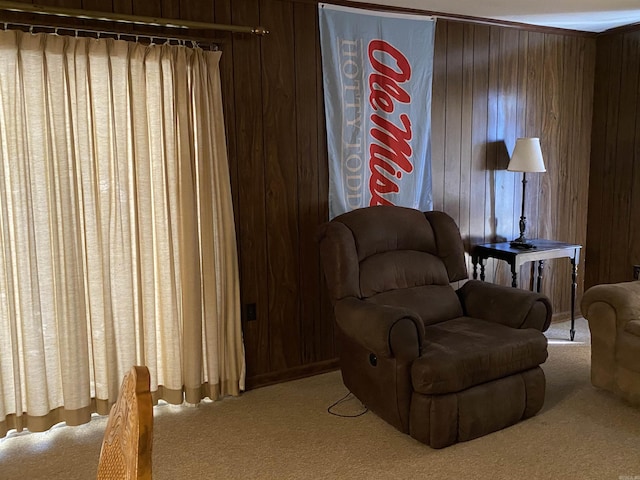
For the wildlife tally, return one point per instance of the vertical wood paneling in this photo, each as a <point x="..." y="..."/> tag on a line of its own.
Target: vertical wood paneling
<point x="479" y="135"/>
<point x="548" y="211"/>
<point x="120" y="6"/>
<point x="508" y="56"/>
<point x="438" y="116"/>
<point x="97" y="5"/>
<point x="565" y="161"/>
<point x="595" y="249"/>
<point x="611" y="152"/>
<point x="466" y="139"/>
<point x="490" y="231"/>
<point x="588" y="54"/>
<point x="193" y="9"/>
<point x="521" y="131"/>
<point x="633" y="244"/>
<point x="251" y="208"/>
<point x="623" y="171"/>
<point x="580" y="144"/>
<point x="453" y="121"/>
<point x="492" y="205"/>
<point x="550" y="138"/>
<point x="574" y="142"/>
<point x="521" y="93"/>
<point x="506" y="196"/>
<point x="146" y="8"/>
<point x="309" y="211"/>
<point x="222" y="14"/>
<point x="534" y="97"/>
<point x="535" y="91"/>
<point x="65" y="3"/>
<point x="282" y="189"/>
<point x="171" y="9"/>
<point x="613" y="236"/>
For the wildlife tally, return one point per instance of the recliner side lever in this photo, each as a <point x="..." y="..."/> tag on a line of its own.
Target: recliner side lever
<point x="373" y="360"/>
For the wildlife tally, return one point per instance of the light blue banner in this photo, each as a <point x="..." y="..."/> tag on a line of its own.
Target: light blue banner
<point x="377" y="71"/>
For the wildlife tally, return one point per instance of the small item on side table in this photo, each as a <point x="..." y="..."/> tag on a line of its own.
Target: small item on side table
<point x="522" y="244"/>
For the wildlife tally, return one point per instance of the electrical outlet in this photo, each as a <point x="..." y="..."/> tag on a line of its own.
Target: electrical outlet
<point x="251" y="312"/>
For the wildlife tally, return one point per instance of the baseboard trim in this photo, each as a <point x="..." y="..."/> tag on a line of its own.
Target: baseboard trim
<point x="294" y="373"/>
<point x="564" y="316"/>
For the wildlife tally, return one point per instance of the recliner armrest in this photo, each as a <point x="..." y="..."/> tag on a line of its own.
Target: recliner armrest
<point x="508" y="306"/>
<point x="386" y="330"/>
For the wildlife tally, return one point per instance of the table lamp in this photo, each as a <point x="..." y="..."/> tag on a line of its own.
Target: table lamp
<point x="526" y="158"/>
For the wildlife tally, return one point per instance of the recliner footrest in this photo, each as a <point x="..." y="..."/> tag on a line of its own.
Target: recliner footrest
<point x="442" y="420"/>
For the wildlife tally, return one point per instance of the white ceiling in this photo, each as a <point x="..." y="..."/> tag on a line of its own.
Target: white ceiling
<point x="584" y="15"/>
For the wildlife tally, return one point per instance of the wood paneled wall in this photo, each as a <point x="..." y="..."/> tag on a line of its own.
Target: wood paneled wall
<point x="613" y="236"/>
<point x="491" y="85"/>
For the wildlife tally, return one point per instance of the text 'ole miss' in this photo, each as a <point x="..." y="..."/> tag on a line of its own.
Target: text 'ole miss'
<point x="392" y="151"/>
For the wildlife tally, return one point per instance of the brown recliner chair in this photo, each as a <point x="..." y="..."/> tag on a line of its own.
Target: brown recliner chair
<point x="442" y="365"/>
<point x="613" y="313"/>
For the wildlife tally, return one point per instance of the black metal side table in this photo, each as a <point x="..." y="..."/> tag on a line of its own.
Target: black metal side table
<point x="515" y="257"/>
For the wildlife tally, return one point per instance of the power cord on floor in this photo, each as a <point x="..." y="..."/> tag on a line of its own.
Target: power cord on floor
<point x="342" y="400"/>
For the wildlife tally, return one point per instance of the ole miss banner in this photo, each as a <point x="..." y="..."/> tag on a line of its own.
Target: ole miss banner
<point x="377" y="86"/>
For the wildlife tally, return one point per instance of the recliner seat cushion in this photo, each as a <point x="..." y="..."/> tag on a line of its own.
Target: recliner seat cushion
<point x="466" y="351"/>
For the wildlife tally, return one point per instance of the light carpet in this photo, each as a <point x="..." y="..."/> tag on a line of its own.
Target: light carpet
<point x="284" y="432"/>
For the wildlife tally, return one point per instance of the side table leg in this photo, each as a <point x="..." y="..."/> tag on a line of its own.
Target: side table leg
<point x="574" y="275"/>
<point x="474" y="261"/>
<point x="514" y="276"/>
<point x="539" y="277"/>
<point x="482" y="270"/>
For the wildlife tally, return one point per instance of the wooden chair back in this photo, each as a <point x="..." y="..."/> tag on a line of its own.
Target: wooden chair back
<point x="126" y="446"/>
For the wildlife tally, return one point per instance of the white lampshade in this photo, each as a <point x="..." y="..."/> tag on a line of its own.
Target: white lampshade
<point x="527" y="156"/>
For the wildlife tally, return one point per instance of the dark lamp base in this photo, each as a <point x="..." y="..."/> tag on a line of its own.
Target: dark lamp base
<point x="522" y="244"/>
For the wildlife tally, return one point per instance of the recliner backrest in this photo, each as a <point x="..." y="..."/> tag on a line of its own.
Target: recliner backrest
<point x="390" y="255"/>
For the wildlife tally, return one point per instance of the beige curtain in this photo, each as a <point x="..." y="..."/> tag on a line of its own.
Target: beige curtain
<point x="117" y="239"/>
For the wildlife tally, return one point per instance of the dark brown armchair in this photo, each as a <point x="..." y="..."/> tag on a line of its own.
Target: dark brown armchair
<point x="441" y="365"/>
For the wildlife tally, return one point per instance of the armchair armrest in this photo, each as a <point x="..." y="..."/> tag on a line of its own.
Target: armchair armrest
<point x="386" y="330"/>
<point x="508" y="306"/>
<point x="609" y="309"/>
<point x="621" y="300"/>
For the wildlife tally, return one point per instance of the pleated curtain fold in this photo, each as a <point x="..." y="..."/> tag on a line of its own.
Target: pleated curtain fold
<point x="117" y="238"/>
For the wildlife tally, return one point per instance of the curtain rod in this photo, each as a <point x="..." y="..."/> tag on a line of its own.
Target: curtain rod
<point x="126" y="18"/>
<point x="210" y="43"/>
